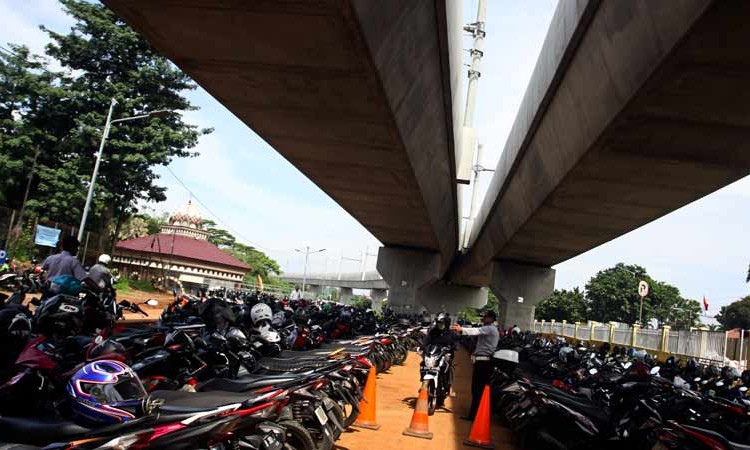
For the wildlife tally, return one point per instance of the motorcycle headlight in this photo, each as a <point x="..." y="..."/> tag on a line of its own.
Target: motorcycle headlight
<point x="430" y="362"/>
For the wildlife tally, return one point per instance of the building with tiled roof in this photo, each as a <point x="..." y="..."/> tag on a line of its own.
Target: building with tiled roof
<point x="181" y="253"/>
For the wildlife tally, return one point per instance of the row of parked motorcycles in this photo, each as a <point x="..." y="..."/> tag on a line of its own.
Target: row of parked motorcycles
<point x="212" y="373"/>
<point x="558" y="396"/>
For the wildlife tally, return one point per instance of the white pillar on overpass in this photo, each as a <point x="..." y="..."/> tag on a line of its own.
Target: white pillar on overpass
<point x="377" y="296"/>
<point x="345" y="295"/>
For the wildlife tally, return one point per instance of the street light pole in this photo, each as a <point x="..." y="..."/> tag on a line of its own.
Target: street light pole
<point x="307" y="253"/>
<point x="96" y="169"/>
<point x="105" y="134"/>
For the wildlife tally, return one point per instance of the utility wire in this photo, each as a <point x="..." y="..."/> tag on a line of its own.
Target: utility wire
<point x="254" y="244"/>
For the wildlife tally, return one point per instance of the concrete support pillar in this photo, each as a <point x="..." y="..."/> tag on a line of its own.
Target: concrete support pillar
<point x="412" y="277"/>
<point x="377" y="296"/>
<point x="313" y="291"/>
<point x="406" y="271"/>
<point x="345" y="295"/>
<point x="519" y="288"/>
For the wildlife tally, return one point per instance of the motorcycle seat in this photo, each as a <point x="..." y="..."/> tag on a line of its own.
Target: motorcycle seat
<point x="41" y="431"/>
<point x="176" y="402"/>
<point x="719" y="437"/>
<point x="248" y="383"/>
<point x="597" y="413"/>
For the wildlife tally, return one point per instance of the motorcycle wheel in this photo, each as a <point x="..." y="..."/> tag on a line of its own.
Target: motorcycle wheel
<point x="339" y="413"/>
<point x="297" y="436"/>
<point x="431" y="399"/>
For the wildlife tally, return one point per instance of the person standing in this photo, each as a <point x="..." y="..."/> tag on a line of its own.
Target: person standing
<point x="296" y="294"/>
<point x="488" y="337"/>
<point x="65" y="262"/>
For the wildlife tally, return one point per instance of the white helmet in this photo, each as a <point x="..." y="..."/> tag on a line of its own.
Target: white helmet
<point x="259" y="312"/>
<point x="105" y="259"/>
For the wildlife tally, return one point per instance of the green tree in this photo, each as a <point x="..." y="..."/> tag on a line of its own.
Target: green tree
<point x="613" y="295"/>
<point x="735" y="315"/>
<point x="563" y="305"/>
<point x="217" y="236"/>
<point x="110" y="60"/>
<point x="34" y="118"/>
<point x="259" y="262"/>
<point x="684" y="315"/>
<point x="361" y="302"/>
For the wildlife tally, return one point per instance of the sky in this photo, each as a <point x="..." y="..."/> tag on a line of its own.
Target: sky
<point x="248" y="188"/>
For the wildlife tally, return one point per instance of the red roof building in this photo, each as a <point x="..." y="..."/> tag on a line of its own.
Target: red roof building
<point x="181" y="253"/>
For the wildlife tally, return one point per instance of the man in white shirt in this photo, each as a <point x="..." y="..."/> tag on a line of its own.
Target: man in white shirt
<point x="296" y="294"/>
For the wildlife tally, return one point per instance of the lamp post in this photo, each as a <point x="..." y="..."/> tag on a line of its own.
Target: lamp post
<point x="105" y="134"/>
<point x="307" y="253"/>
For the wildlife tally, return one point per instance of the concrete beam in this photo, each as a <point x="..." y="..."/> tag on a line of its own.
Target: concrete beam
<point x="345" y="90"/>
<point x="314" y="291"/>
<point x="519" y="288"/>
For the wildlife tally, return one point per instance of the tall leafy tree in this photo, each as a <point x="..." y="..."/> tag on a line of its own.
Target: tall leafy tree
<point x="735" y="315"/>
<point x="563" y="305"/>
<point x="613" y="295"/>
<point x="109" y="60"/>
<point x="34" y="121"/>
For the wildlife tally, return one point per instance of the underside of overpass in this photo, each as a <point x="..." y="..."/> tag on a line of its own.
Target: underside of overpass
<point x="634" y="110"/>
<point x="357" y="94"/>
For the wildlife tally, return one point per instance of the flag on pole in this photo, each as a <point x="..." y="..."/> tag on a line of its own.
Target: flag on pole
<point x="260" y="283"/>
<point x="705" y="303"/>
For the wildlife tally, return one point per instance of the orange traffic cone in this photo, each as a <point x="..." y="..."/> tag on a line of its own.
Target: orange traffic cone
<point x="419" y="426"/>
<point x="366" y="418"/>
<point x="480" y="431"/>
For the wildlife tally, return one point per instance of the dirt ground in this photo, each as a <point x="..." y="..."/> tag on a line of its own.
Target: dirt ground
<point x="396" y="396"/>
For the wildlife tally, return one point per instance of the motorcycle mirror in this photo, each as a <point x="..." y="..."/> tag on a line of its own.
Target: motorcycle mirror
<point x="697" y="379"/>
<point x="216" y="335"/>
<point x="152" y="302"/>
<point x="720" y="383"/>
<point x="704" y="382"/>
<point x="655" y="370"/>
<point x="592" y="356"/>
<point x="593" y="371"/>
<point x="743" y="389"/>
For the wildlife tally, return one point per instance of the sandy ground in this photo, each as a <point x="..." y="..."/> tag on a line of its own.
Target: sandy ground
<point x="397" y="392"/>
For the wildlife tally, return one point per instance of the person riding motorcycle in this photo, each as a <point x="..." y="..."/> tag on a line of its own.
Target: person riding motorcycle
<point x="99" y="272"/>
<point x="441" y="335"/>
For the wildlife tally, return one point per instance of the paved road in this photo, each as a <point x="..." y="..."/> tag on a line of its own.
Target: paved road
<point x="397" y="392"/>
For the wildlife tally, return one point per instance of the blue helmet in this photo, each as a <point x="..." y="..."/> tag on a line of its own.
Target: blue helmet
<point x="106" y="392"/>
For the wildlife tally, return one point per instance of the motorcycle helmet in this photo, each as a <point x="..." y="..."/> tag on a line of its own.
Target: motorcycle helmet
<point x="440" y="321"/>
<point x="403" y="322"/>
<point x="640" y="355"/>
<point x="691" y="365"/>
<point x="714" y="371"/>
<point x="107" y="347"/>
<point x="729" y="374"/>
<point x="631" y="352"/>
<point x="260" y="312"/>
<point x="745" y="377"/>
<point x="567" y="354"/>
<point x="671" y="362"/>
<point x="59" y="315"/>
<point x="105" y="259"/>
<point x="106" y="392"/>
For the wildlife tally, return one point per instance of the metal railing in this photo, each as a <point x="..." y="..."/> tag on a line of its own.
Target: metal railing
<point x="709" y="346"/>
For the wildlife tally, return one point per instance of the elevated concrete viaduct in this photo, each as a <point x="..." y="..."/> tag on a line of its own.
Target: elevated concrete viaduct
<point x="635" y="109"/>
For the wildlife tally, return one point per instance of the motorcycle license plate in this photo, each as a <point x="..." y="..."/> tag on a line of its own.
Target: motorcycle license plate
<point x="321" y="415"/>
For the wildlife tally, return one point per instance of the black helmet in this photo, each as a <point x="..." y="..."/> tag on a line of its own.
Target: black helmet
<point x="107" y="346"/>
<point x="670" y="362"/>
<point x="745" y="378"/>
<point x="691" y="365"/>
<point x="714" y="371"/>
